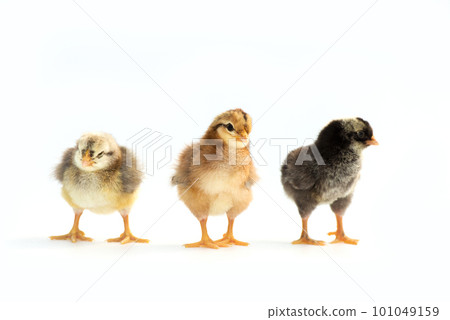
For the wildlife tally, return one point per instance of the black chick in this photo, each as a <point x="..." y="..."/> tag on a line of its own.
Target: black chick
<point x="332" y="178"/>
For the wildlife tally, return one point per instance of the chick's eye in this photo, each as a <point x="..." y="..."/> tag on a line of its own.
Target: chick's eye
<point x="230" y="127"/>
<point x="360" y="134"/>
<point x="100" y="155"/>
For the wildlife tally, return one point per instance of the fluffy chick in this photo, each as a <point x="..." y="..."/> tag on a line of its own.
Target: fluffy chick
<point x="340" y="144"/>
<point x="95" y="176"/>
<point x="215" y="175"/>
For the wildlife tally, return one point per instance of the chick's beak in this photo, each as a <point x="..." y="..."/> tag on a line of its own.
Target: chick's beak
<point x="243" y="137"/>
<point x="372" y="142"/>
<point x="87" y="161"/>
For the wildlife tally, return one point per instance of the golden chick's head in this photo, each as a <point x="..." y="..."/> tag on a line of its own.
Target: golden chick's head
<point x="96" y="151"/>
<point x="233" y="125"/>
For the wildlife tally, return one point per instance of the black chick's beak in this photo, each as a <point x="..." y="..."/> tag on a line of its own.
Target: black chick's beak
<point x="372" y="142"/>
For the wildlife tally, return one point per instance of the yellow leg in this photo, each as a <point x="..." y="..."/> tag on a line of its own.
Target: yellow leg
<point x="206" y="241"/>
<point x="228" y="237"/>
<point x="304" y="238"/>
<point x="127" y="236"/>
<point x="74" y="234"/>
<point x="339" y="233"/>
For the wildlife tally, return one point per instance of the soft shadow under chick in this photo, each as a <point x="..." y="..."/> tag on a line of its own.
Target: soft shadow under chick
<point x="309" y="183"/>
<point x="96" y="176"/>
<point x="215" y="175"/>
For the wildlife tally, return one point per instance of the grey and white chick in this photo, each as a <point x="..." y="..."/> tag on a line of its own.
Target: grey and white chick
<point x="95" y="176"/>
<point x="309" y="183"/>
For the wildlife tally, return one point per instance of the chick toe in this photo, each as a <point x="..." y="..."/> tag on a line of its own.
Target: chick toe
<point x="230" y="240"/>
<point x="128" y="237"/>
<point x="208" y="243"/>
<point x="342" y="238"/>
<point x="228" y="237"/>
<point x="340" y="234"/>
<point x="308" y="240"/>
<point x="73" y="236"/>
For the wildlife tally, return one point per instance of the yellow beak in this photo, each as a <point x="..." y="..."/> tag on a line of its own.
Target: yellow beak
<point x="87" y="161"/>
<point x="372" y="142"/>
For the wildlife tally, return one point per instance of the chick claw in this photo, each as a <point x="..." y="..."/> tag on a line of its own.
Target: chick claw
<point x="342" y="238"/>
<point x="72" y="236"/>
<point x="205" y="244"/>
<point x="307" y="240"/>
<point x="230" y="240"/>
<point x="127" y="238"/>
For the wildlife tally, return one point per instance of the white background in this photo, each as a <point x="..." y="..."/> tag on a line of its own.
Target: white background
<point x="62" y="75"/>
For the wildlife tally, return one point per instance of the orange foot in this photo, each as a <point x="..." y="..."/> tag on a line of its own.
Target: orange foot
<point x="73" y="236"/>
<point x="342" y="238"/>
<point x="230" y="240"/>
<point x="205" y="243"/>
<point x="127" y="238"/>
<point x="308" y="240"/>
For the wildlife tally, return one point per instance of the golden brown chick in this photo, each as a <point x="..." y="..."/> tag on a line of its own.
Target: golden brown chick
<point x="96" y="176"/>
<point x="215" y="175"/>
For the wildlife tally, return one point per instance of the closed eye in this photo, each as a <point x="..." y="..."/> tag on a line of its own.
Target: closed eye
<point x="100" y="155"/>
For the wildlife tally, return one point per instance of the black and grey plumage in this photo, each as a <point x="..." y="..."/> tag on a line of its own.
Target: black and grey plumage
<point x="312" y="183"/>
<point x="96" y="176"/>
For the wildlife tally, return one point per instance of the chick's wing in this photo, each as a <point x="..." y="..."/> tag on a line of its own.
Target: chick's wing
<point x="65" y="163"/>
<point x="299" y="176"/>
<point x="130" y="176"/>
